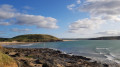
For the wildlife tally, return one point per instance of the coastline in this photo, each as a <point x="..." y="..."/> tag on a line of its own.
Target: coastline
<point x="69" y="40"/>
<point x="45" y="57"/>
<point x="14" y="43"/>
<point x="15" y="51"/>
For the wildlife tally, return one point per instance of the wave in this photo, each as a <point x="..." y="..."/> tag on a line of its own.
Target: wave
<point x="63" y="52"/>
<point x="109" y="56"/>
<point x="103" y="48"/>
<point x="27" y="45"/>
<point x="112" y="57"/>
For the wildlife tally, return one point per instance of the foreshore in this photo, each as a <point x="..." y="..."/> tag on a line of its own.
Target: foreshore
<point x="44" y="57"/>
<point x="49" y="57"/>
<point x="14" y="43"/>
<point x="69" y="40"/>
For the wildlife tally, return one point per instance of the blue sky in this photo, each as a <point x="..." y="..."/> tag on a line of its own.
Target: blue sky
<point x="60" y="18"/>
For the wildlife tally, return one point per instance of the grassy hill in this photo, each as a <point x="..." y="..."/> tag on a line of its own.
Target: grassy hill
<point x="31" y="38"/>
<point x="3" y="39"/>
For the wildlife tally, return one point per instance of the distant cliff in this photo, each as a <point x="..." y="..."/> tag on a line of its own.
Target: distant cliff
<point x="106" y="38"/>
<point x="31" y="38"/>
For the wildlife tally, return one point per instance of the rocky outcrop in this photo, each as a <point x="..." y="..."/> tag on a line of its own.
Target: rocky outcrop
<point x="45" y="57"/>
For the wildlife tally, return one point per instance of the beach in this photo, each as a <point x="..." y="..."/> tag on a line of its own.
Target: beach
<point x="14" y="43"/>
<point x="68" y="40"/>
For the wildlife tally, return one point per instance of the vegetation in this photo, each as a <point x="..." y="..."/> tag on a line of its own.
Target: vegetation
<point x="4" y="39"/>
<point x="31" y="38"/>
<point x="6" y="61"/>
<point x="107" y="38"/>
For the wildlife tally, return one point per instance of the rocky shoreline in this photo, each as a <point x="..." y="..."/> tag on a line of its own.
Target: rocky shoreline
<point x="44" y="57"/>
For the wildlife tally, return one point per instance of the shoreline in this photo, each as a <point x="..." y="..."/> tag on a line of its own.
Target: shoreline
<point x="54" y="50"/>
<point x="49" y="57"/>
<point x="14" y="43"/>
<point x="70" y="40"/>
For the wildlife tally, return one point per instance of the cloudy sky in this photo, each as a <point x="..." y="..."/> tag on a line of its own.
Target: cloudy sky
<point x="60" y="18"/>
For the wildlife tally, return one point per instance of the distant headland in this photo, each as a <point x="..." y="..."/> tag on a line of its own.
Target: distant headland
<point x="97" y="38"/>
<point x="106" y="38"/>
<point x="31" y="38"/>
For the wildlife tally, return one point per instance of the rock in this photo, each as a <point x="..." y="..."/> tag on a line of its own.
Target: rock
<point x="38" y="65"/>
<point x="38" y="62"/>
<point x="59" y="65"/>
<point x="45" y="57"/>
<point x="105" y="65"/>
<point x="45" y="65"/>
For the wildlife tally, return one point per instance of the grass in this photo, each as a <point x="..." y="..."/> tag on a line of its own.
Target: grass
<point x="6" y="61"/>
<point x="29" y="56"/>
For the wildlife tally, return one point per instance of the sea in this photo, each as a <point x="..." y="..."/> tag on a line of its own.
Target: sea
<point x="105" y="51"/>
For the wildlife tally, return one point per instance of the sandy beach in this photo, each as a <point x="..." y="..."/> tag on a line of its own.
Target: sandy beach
<point x="14" y="43"/>
<point x="69" y="40"/>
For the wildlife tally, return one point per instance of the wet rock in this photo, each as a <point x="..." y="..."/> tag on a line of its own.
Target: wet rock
<point x="105" y="65"/>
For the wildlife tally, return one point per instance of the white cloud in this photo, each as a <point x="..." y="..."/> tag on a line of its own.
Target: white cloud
<point x="39" y="21"/>
<point x="102" y="8"/>
<point x="5" y="23"/>
<point x="105" y="10"/>
<point x="78" y="1"/>
<point x="85" y="24"/>
<point x="20" y="30"/>
<point x="109" y="32"/>
<point x="8" y="13"/>
<point x="70" y="7"/>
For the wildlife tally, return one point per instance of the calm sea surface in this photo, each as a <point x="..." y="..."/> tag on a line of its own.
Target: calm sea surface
<point x="102" y="50"/>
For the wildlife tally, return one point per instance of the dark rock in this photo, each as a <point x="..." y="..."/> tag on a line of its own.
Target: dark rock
<point x="45" y="65"/>
<point x="105" y="65"/>
<point x="38" y="62"/>
<point x="45" y="57"/>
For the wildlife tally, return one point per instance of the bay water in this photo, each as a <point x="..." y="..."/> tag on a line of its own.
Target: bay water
<point x="102" y="50"/>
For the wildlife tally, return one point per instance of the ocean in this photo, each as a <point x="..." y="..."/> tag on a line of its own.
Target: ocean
<point x="106" y="51"/>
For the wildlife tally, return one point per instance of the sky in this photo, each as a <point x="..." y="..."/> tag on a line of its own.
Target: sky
<point x="60" y="18"/>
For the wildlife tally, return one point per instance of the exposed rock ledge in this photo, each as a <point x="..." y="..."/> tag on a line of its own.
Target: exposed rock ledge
<point x="45" y="57"/>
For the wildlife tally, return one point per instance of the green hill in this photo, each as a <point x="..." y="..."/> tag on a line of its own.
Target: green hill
<point x="31" y="38"/>
<point x="3" y="39"/>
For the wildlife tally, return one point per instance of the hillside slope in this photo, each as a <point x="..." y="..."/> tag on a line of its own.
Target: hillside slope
<point x="6" y="61"/>
<point x="31" y="38"/>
